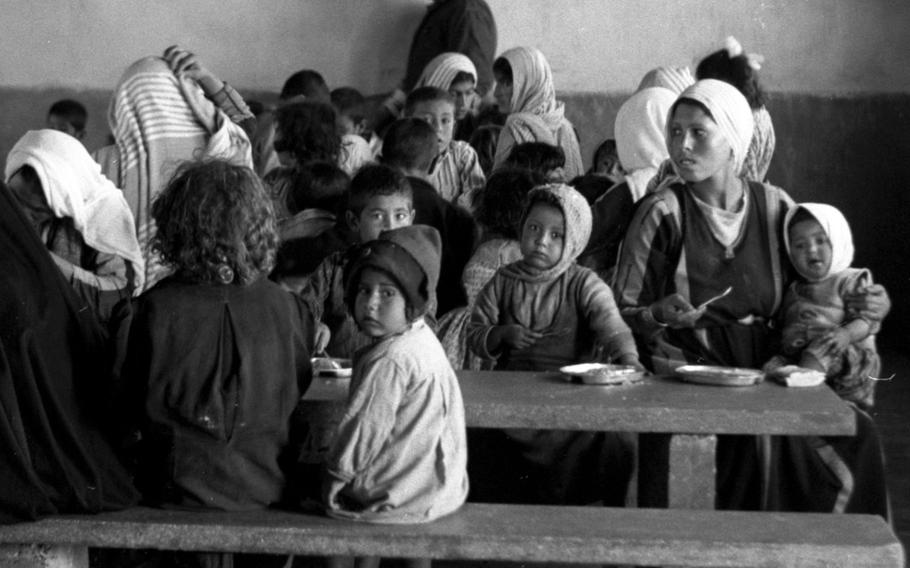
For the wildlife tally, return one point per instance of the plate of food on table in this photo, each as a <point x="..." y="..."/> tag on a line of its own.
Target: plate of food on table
<point x="331" y="367"/>
<point x="602" y="374"/>
<point x="720" y="376"/>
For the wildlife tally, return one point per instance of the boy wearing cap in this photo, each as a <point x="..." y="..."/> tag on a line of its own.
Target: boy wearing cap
<point x="400" y="454"/>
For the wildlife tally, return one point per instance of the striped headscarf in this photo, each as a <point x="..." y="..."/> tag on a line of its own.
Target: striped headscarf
<point x="730" y="111"/>
<point x="159" y="121"/>
<point x="442" y="69"/>
<point x="75" y="189"/>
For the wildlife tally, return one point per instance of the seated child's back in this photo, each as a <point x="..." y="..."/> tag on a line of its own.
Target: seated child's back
<point x="217" y="355"/>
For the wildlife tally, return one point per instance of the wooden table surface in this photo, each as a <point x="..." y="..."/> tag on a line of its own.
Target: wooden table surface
<point x="510" y="399"/>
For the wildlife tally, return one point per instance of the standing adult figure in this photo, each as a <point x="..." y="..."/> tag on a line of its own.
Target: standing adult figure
<point x="740" y="69"/>
<point x="526" y="93"/>
<point x="694" y="237"/>
<point x="160" y="117"/>
<point x="461" y="26"/>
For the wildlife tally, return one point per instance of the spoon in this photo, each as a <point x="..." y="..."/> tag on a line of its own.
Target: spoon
<point x="723" y="294"/>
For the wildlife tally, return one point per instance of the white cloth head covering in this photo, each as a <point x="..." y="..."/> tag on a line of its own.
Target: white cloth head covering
<point x="578" y="219"/>
<point x="75" y="188"/>
<point x="535" y="114"/>
<point x="159" y="121"/>
<point x="677" y="79"/>
<point x="835" y="225"/>
<point x="442" y="69"/>
<point x="729" y="109"/>
<point x="640" y="132"/>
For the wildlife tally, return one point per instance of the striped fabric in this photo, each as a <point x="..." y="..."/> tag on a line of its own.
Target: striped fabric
<point x="442" y="69"/>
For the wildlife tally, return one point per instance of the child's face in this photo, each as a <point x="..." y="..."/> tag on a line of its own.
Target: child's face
<point x="503" y="94"/>
<point x="382" y="213"/>
<point x="57" y="122"/>
<point x="698" y="149"/>
<point x="810" y="249"/>
<point x="608" y="165"/>
<point x="441" y="116"/>
<point x="543" y="236"/>
<point x="346" y="125"/>
<point x="379" y="306"/>
<point x="464" y="94"/>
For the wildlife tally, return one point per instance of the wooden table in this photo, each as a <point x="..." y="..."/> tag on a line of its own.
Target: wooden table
<point x="678" y="422"/>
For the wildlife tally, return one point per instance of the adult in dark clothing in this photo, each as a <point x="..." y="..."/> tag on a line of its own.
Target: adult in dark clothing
<point x="53" y="365"/>
<point x="410" y="147"/>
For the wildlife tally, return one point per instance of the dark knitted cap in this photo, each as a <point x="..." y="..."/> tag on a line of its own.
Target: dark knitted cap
<point x="410" y="256"/>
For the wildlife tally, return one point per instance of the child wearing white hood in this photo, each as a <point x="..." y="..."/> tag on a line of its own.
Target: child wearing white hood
<point x="819" y="332"/>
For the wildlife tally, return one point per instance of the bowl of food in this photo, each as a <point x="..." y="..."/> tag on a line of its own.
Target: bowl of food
<point x="331" y="367"/>
<point x="720" y="376"/>
<point x="602" y="374"/>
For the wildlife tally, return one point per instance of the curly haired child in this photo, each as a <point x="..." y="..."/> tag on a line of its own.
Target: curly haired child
<point x="538" y="314"/>
<point x="820" y="332"/>
<point x="217" y="356"/>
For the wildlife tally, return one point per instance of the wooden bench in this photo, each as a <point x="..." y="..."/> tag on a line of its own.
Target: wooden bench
<point x="641" y="537"/>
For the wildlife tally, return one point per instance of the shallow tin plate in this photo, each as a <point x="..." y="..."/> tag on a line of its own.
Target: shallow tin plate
<point x="331" y="367"/>
<point x="720" y="376"/>
<point x="602" y="374"/>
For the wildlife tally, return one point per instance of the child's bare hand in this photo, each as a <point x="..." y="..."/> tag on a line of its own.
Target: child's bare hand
<point x="321" y="338"/>
<point x="519" y="337"/>
<point x="871" y="302"/>
<point x="835" y="341"/>
<point x="676" y="311"/>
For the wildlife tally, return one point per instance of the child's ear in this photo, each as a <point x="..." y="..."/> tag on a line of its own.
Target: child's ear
<point x="353" y="220"/>
<point x="413" y="214"/>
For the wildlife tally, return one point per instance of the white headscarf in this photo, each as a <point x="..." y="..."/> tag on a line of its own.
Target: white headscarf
<point x="729" y="109"/>
<point x="442" y="70"/>
<point x="75" y="188"/>
<point x="535" y="114"/>
<point x="677" y="79"/>
<point x="835" y="225"/>
<point x="640" y="132"/>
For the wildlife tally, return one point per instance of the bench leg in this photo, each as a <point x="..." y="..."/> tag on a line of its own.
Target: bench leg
<point x="41" y="556"/>
<point x="677" y="471"/>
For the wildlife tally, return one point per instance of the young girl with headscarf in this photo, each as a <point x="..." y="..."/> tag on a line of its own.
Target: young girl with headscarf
<point x="525" y="92"/>
<point x="161" y="118"/>
<point x="539" y="314"/>
<point x="819" y="332"/>
<point x="80" y="216"/>
<point x="455" y="73"/>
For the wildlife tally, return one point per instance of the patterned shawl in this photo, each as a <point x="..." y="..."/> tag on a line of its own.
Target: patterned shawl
<point x="159" y="121"/>
<point x="442" y="69"/>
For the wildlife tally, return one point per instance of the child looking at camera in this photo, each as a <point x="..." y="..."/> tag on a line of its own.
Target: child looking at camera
<point x="400" y="451"/>
<point x="456" y="171"/>
<point x="819" y="332"/>
<point x="538" y="314"/>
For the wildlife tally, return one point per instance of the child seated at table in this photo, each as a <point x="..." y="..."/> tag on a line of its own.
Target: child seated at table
<point x="380" y="199"/>
<point x="819" y="332"/>
<point x="538" y="314"/>
<point x="456" y="171"/>
<point x="400" y="451"/>
<point x="217" y="356"/>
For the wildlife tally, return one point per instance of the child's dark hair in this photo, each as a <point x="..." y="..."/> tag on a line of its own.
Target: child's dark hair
<point x="350" y="102"/>
<point x="72" y="111"/>
<point x="462" y="77"/>
<point x="499" y="207"/>
<point x="308" y="132"/>
<point x="484" y="141"/>
<point x="373" y="180"/>
<point x="409" y="143"/>
<point x="318" y="185"/>
<point x="734" y="70"/>
<point x="216" y="224"/>
<point x="503" y="69"/>
<point x="606" y="149"/>
<point x="426" y="95"/>
<point x="537" y="156"/>
<point x="308" y="83"/>
<point x="801" y="214"/>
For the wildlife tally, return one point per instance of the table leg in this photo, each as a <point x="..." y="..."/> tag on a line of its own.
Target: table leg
<point x="677" y="471"/>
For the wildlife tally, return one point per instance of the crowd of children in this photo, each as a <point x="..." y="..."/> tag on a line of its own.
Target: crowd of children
<point x="221" y="251"/>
